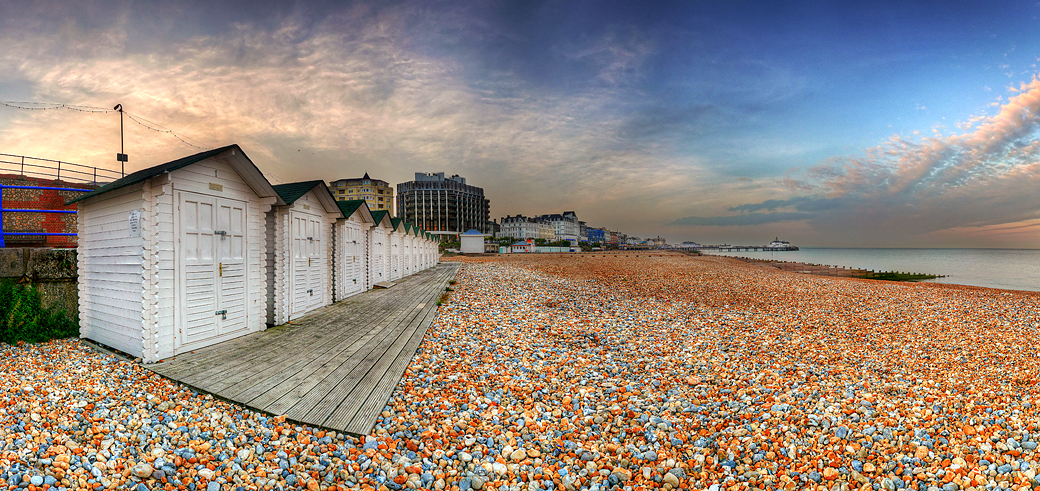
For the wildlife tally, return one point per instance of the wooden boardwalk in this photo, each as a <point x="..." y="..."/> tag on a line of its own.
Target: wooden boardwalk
<point x="334" y="368"/>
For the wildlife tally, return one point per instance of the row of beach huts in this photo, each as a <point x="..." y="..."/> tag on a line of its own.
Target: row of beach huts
<point x="204" y="249"/>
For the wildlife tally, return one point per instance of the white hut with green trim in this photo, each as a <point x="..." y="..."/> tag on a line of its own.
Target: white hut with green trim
<point x="379" y="247"/>
<point x="350" y="255"/>
<point x="300" y="241"/>
<point x="172" y="257"/>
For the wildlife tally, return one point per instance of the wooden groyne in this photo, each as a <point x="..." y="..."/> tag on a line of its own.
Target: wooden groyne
<point x="838" y="271"/>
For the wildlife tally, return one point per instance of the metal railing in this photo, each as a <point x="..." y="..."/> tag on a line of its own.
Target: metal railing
<point x="4" y="234"/>
<point x="55" y="169"/>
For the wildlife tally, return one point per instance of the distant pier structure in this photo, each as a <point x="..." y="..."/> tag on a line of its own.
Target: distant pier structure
<point x="775" y="245"/>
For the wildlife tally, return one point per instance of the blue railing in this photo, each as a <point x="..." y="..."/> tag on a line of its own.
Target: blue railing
<point x="4" y="234"/>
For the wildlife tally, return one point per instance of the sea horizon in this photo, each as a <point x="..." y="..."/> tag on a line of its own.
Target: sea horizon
<point x="1007" y="269"/>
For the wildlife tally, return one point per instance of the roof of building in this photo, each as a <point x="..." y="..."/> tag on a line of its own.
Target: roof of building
<point x="379" y="215"/>
<point x="348" y="207"/>
<point x="245" y="167"/>
<point x="521" y="244"/>
<point x="366" y="176"/>
<point x="395" y="223"/>
<point x="295" y="190"/>
<point x="473" y="231"/>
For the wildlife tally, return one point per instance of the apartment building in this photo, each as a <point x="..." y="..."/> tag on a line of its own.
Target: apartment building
<point x="378" y="195"/>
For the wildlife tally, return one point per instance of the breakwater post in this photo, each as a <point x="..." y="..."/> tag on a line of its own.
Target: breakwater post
<point x="838" y="271"/>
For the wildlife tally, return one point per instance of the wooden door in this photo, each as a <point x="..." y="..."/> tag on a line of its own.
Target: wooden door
<point x="212" y="284"/>
<point x="305" y="277"/>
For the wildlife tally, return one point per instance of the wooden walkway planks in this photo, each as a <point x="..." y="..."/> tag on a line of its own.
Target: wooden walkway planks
<point x="334" y="368"/>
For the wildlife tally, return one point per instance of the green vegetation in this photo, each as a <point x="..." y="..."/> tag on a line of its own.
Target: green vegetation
<point x="897" y="276"/>
<point x="507" y="241"/>
<point x="23" y="317"/>
<point x="450" y="245"/>
<point x="443" y="300"/>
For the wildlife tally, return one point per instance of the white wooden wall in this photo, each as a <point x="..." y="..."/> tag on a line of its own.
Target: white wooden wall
<point x="110" y="267"/>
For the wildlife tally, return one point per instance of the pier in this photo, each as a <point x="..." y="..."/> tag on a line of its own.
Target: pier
<point x="738" y="248"/>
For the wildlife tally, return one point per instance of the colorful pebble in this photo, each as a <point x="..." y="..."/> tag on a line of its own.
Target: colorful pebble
<point x="591" y="372"/>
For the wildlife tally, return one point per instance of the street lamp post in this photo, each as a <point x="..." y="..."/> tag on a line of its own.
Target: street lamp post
<point x="121" y="157"/>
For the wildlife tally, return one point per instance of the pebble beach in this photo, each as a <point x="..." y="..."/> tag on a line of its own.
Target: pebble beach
<point x="592" y="372"/>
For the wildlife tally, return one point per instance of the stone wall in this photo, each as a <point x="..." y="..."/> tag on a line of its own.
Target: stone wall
<point x="51" y="271"/>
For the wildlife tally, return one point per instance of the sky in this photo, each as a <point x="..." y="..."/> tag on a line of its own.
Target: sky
<point x="840" y="124"/>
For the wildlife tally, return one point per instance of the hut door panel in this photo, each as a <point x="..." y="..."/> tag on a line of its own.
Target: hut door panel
<point x="306" y="266"/>
<point x="314" y="273"/>
<point x="198" y="299"/>
<point x="298" y="285"/>
<point x="212" y="273"/>
<point x="231" y="247"/>
<point x="354" y="245"/>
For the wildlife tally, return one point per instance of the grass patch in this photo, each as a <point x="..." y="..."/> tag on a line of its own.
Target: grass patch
<point x="452" y="282"/>
<point x="23" y="317"/>
<point x="443" y="300"/>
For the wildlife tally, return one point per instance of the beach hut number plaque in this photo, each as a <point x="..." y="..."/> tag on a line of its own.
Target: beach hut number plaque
<point x="135" y="223"/>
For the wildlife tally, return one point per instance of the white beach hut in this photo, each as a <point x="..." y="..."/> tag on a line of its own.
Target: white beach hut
<point x="379" y="248"/>
<point x="396" y="248"/>
<point x="472" y="242"/>
<point x="171" y="258"/>
<point x="408" y="264"/>
<point x="350" y="256"/>
<point x="299" y="237"/>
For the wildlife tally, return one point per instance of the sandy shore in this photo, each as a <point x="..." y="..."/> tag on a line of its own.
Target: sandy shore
<point x="624" y="371"/>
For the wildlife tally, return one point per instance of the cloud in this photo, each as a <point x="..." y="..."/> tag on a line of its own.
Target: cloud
<point x="744" y="220"/>
<point x="800" y="203"/>
<point x="957" y="189"/>
<point x="361" y="90"/>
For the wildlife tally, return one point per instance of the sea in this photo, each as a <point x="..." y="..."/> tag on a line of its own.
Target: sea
<point x="1008" y="269"/>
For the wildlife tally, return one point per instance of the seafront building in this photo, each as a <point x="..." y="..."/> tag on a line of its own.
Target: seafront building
<point x="443" y="205"/>
<point x="593" y="234"/>
<point x="521" y="227"/>
<point x="565" y="226"/>
<point x="378" y="194"/>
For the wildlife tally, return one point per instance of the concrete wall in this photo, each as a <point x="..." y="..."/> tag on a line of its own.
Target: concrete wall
<point x="51" y="271"/>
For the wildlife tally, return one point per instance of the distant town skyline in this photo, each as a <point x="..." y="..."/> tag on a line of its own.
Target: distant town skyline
<point x="878" y="124"/>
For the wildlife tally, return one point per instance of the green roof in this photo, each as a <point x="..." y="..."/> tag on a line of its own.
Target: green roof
<point x="145" y="174"/>
<point x="377" y="216"/>
<point x="396" y="222"/>
<point x="348" y="207"/>
<point x="294" y="190"/>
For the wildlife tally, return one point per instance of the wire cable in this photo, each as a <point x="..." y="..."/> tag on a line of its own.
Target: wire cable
<point x="35" y="106"/>
<point x="141" y="120"/>
<point x="162" y="130"/>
